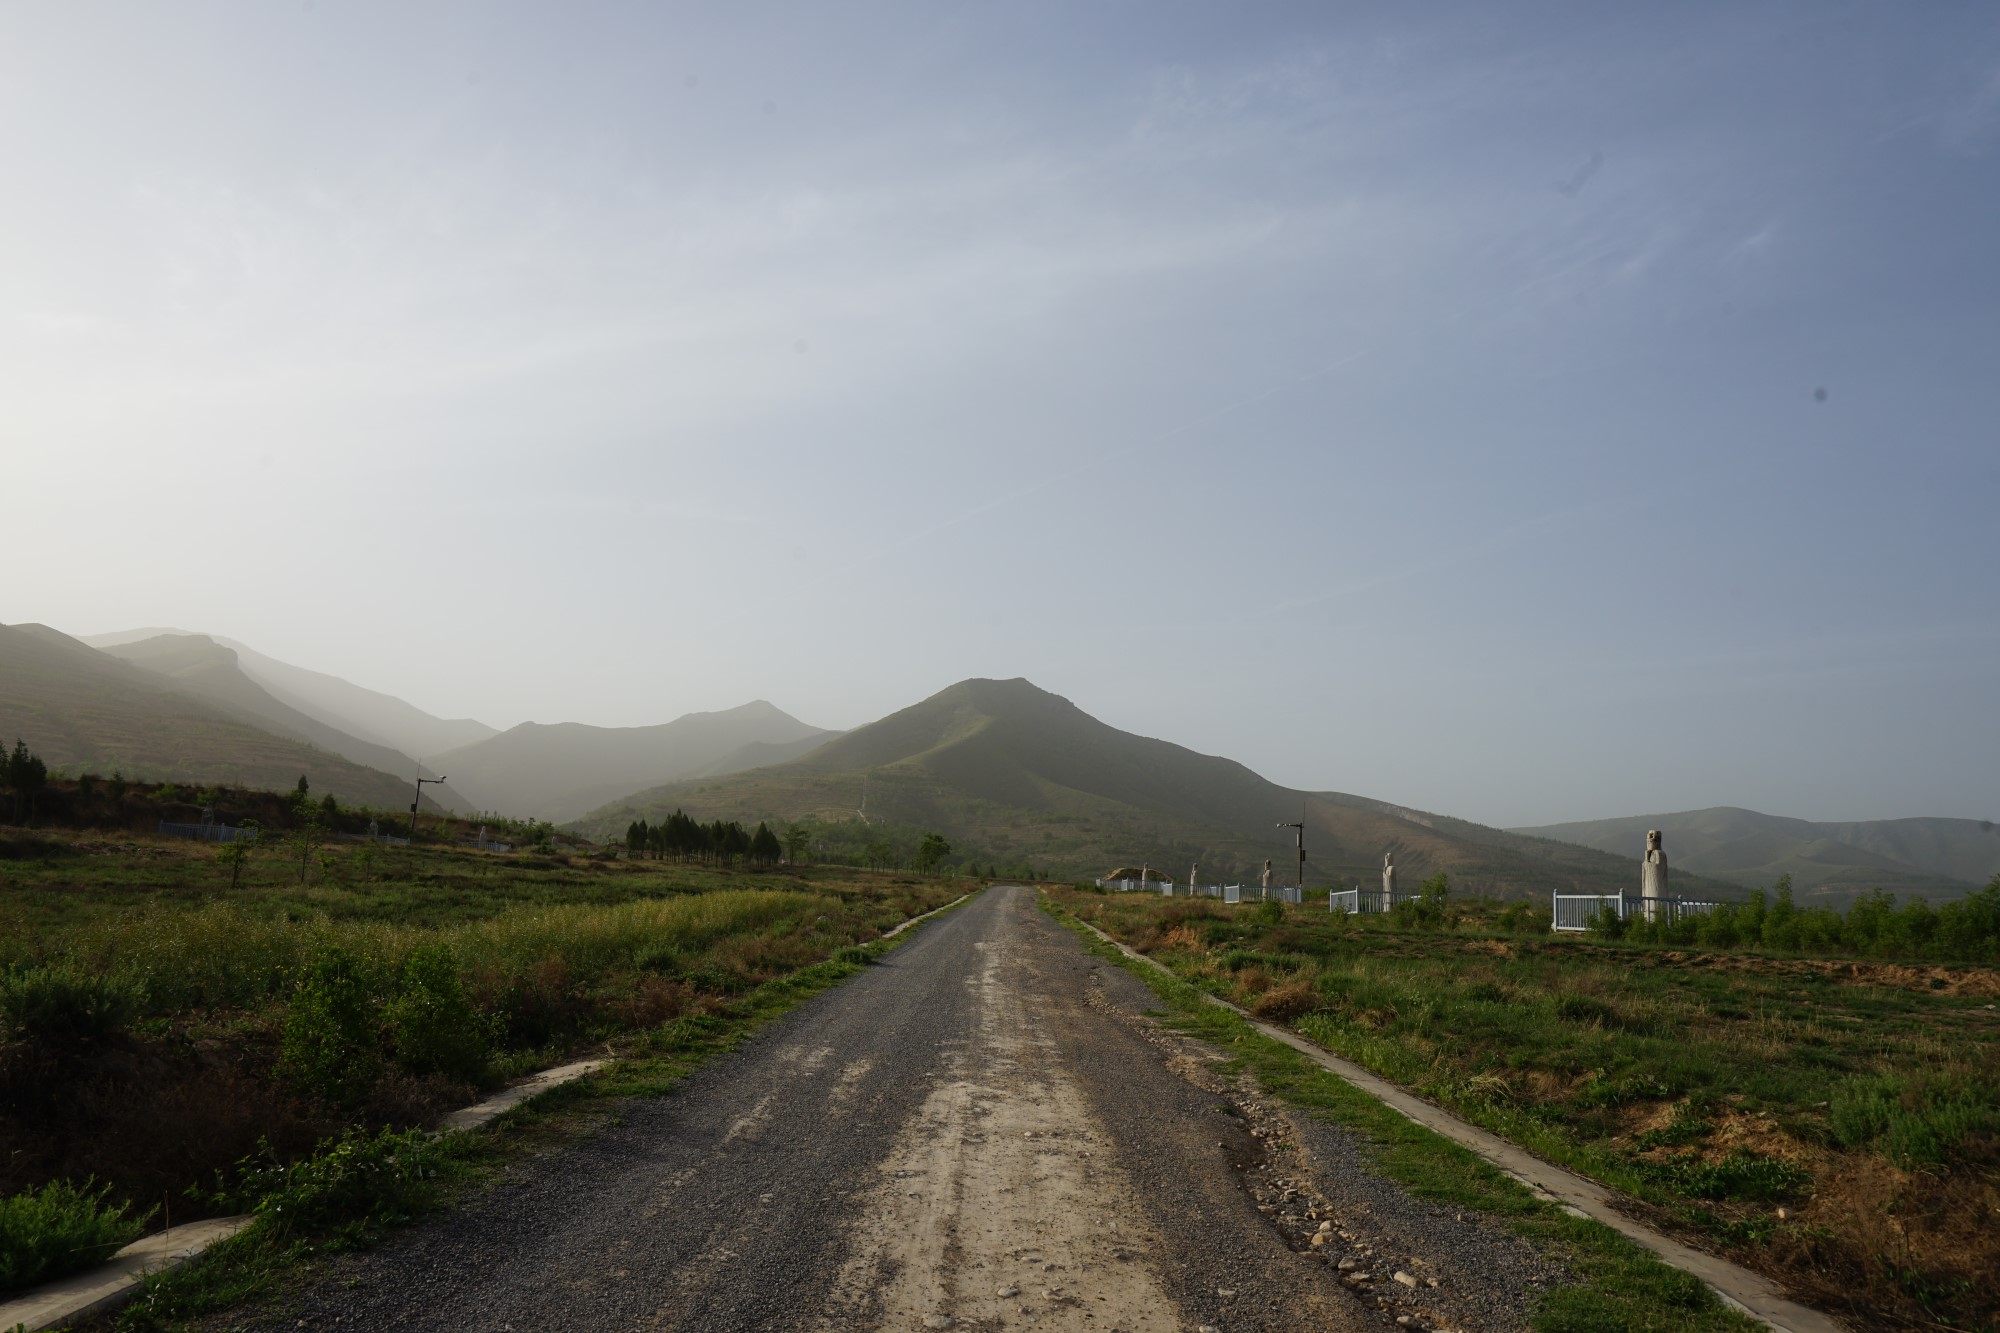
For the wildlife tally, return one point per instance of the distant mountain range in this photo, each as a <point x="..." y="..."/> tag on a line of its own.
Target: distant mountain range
<point x="558" y="771"/>
<point x="1006" y="771"/>
<point x="1010" y="772"/>
<point x="1939" y="858"/>
<point x="553" y="771"/>
<point x="210" y="671"/>
<point x="364" y="714"/>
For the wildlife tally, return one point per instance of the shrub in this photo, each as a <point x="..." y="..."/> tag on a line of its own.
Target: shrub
<point x="353" y="1183"/>
<point x="433" y="1024"/>
<point x="1266" y="913"/>
<point x="64" y="1003"/>
<point x="856" y="955"/>
<point x="60" y="1229"/>
<point x="329" y="1046"/>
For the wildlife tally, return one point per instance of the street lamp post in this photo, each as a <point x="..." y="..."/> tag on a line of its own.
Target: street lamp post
<point x="1302" y="850"/>
<point x="436" y="782"/>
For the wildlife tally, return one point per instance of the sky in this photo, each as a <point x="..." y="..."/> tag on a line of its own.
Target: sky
<point x="1528" y="412"/>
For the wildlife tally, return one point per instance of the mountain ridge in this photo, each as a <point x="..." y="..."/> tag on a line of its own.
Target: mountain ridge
<point x="354" y="710"/>
<point x="561" y="770"/>
<point x="1007" y="770"/>
<point x="81" y="708"/>
<point x="1927" y="855"/>
<point x="211" y="670"/>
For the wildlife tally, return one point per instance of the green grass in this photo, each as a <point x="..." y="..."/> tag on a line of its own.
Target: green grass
<point x="1859" y="1098"/>
<point x="1621" y="1285"/>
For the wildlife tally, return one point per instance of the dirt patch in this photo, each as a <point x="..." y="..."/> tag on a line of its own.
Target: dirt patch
<point x="1932" y="1238"/>
<point x="1930" y="978"/>
<point x="997" y="1202"/>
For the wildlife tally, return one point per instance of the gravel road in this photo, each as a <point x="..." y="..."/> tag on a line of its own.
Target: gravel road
<point x="981" y="1132"/>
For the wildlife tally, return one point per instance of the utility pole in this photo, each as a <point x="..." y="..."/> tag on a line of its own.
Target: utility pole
<point x="1300" y="826"/>
<point x="421" y="780"/>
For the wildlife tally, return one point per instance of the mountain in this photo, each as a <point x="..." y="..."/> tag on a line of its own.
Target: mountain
<point x="1009" y="772"/>
<point x="364" y="714"/>
<point x="83" y="709"/>
<point x="1934" y="857"/>
<point x="558" y="771"/>
<point x="211" y="671"/>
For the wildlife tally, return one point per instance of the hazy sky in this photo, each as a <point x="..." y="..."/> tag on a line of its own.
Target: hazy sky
<point x="1525" y="412"/>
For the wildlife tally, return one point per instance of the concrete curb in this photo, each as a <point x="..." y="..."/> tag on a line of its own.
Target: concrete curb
<point x="505" y="1100"/>
<point x="110" y="1285"/>
<point x="1752" y="1293"/>
<point x="894" y="931"/>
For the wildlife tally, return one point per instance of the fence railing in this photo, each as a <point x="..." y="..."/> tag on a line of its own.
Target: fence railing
<point x="208" y="832"/>
<point x="1577" y="912"/>
<point x="1358" y="901"/>
<point x="1228" y="893"/>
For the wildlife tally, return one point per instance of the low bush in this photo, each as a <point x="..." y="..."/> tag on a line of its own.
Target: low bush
<point x="349" y="1185"/>
<point x="433" y="1024"/>
<point x="329" y="1047"/>
<point x="1266" y="913"/>
<point x="854" y="954"/>
<point x="64" y="1003"/>
<point x="61" y="1228"/>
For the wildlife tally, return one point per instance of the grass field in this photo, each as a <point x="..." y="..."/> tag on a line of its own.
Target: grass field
<point x="1835" y="1123"/>
<point x="158" y="1027"/>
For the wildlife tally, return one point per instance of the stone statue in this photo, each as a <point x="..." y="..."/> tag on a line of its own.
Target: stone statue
<point x="1267" y="874"/>
<point x="1388" y="879"/>
<point x="1653" y="874"/>
<point x="1191" y="874"/>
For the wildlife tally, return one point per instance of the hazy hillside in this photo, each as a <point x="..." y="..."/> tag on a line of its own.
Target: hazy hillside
<point x="364" y="714"/>
<point x="1010" y="772"/>
<point x="561" y="770"/>
<point x="1935" y="857"/>
<point x="210" y="671"/>
<point x="80" y="708"/>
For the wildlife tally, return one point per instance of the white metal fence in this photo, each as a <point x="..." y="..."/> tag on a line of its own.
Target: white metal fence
<point x="1578" y="911"/>
<point x="208" y="832"/>
<point x="1228" y="893"/>
<point x="1358" y="901"/>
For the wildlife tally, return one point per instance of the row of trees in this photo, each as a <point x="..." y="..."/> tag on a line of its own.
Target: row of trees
<point x="1963" y="930"/>
<point x="721" y="842"/>
<point x="681" y="837"/>
<point x="26" y="776"/>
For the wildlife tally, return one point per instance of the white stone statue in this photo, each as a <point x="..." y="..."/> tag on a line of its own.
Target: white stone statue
<point x="1191" y="877"/>
<point x="1267" y="874"/>
<point x="1388" y="879"/>
<point x="1653" y="874"/>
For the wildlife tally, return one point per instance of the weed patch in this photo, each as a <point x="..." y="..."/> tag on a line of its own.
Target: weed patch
<point x="61" y="1228"/>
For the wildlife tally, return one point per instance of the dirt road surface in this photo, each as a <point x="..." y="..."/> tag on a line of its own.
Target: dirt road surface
<point x="983" y="1131"/>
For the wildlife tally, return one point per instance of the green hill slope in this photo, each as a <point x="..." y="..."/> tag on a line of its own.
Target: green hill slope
<point x="83" y="709"/>
<point x="1010" y="772"/>
<point x="1939" y="858"/>
<point x="559" y="771"/>
<point x="210" y="671"/>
